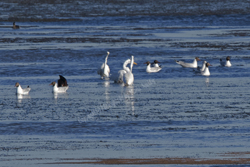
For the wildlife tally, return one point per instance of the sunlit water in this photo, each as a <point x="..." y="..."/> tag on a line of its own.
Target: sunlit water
<point x="173" y="113"/>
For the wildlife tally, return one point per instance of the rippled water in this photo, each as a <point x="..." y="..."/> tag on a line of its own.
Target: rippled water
<point x="173" y="113"/>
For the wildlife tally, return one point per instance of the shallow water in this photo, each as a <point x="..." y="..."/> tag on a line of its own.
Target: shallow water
<point x="173" y="113"/>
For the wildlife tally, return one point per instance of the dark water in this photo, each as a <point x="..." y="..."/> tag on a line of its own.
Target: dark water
<point x="173" y="113"/>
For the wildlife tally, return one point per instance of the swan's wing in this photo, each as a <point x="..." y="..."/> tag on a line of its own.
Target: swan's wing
<point x="118" y="77"/>
<point x="100" y="70"/>
<point x="106" y="71"/>
<point x="128" y="78"/>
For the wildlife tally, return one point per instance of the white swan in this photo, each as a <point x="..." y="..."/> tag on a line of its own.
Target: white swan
<point x="21" y="91"/>
<point x="104" y="70"/>
<point x="206" y="71"/>
<point x="227" y="63"/>
<point x="156" y="63"/>
<point x="150" y="69"/>
<point x="60" y="86"/>
<point x="190" y="65"/>
<point x="126" y="74"/>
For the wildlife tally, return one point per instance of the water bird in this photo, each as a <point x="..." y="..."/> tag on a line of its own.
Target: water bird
<point x="21" y="91"/>
<point x="15" y="26"/>
<point x="60" y="86"/>
<point x="104" y="70"/>
<point x="125" y="76"/>
<point x="156" y="63"/>
<point x="226" y="63"/>
<point x="189" y="65"/>
<point x="203" y="66"/>
<point x="150" y="69"/>
<point x="206" y="71"/>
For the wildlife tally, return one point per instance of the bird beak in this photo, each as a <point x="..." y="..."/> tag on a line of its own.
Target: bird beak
<point x="135" y="63"/>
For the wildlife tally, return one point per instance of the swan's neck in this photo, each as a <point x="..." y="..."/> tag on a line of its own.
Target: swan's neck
<point x="125" y="65"/>
<point x="131" y="63"/>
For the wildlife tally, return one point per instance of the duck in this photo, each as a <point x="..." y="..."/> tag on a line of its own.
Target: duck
<point x="125" y="76"/>
<point x="189" y="65"/>
<point x="206" y="71"/>
<point x="156" y="63"/>
<point x="226" y="63"/>
<point x="104" y="70"/>
<point x="15" y="26"/>
<point x="60" y="86"/>
<point x="21" y="91"/>
<point x="150" y="69"/>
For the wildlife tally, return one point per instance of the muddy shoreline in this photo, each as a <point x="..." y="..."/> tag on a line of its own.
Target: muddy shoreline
<point x="184" y="161"/>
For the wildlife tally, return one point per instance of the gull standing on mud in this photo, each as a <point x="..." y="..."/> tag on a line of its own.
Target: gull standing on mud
<point x="150" y="69"/>
<point x="189" y="65"/>
<point x="226" y="63"/>
<point x="125" y="76"/>
<point x="21" y="91"/>
<point x="60" y="86"/>
<point x="104" y="70"/>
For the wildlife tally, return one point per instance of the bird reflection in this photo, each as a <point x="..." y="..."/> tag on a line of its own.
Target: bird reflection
<point x="58" y="95"/>
<point x="129" y="99"/>
<point x="106" y="84"/>
<point x="20" y="97"/>
<point x="207" y="82"/>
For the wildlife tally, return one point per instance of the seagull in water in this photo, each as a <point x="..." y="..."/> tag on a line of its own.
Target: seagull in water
<point x="104" y="70"/>
<point x="206" y="71"/>
<point x="203" y="66"/>
<point x="15" y="26"/>
<point x="150" y="69"/>
<point x="189" y="65"/>
<point x="60" y="86"/>
<point x="156" y="63"/>
<point x="21" y="91"/>
<point x="125" y="76"/>
<point x="227" y="63"/>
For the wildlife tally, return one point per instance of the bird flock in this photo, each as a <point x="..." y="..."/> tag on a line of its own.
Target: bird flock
<point x="125" y="76"/>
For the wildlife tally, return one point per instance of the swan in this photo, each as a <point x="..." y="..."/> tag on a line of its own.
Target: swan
<point x="104" y="70"/>
<point x="60" y="86"/>
<point x="190" y="65"/>
<point x="150" y="69"/>
<point x="21" y="91"/>
<point x="206" y="71"/>
<point x="155" y="63"/>
<point x="15" y="26"/>
<point x="129" y="76"/>
<point x="227" y="63"/>
<point x="125" y="76"/>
